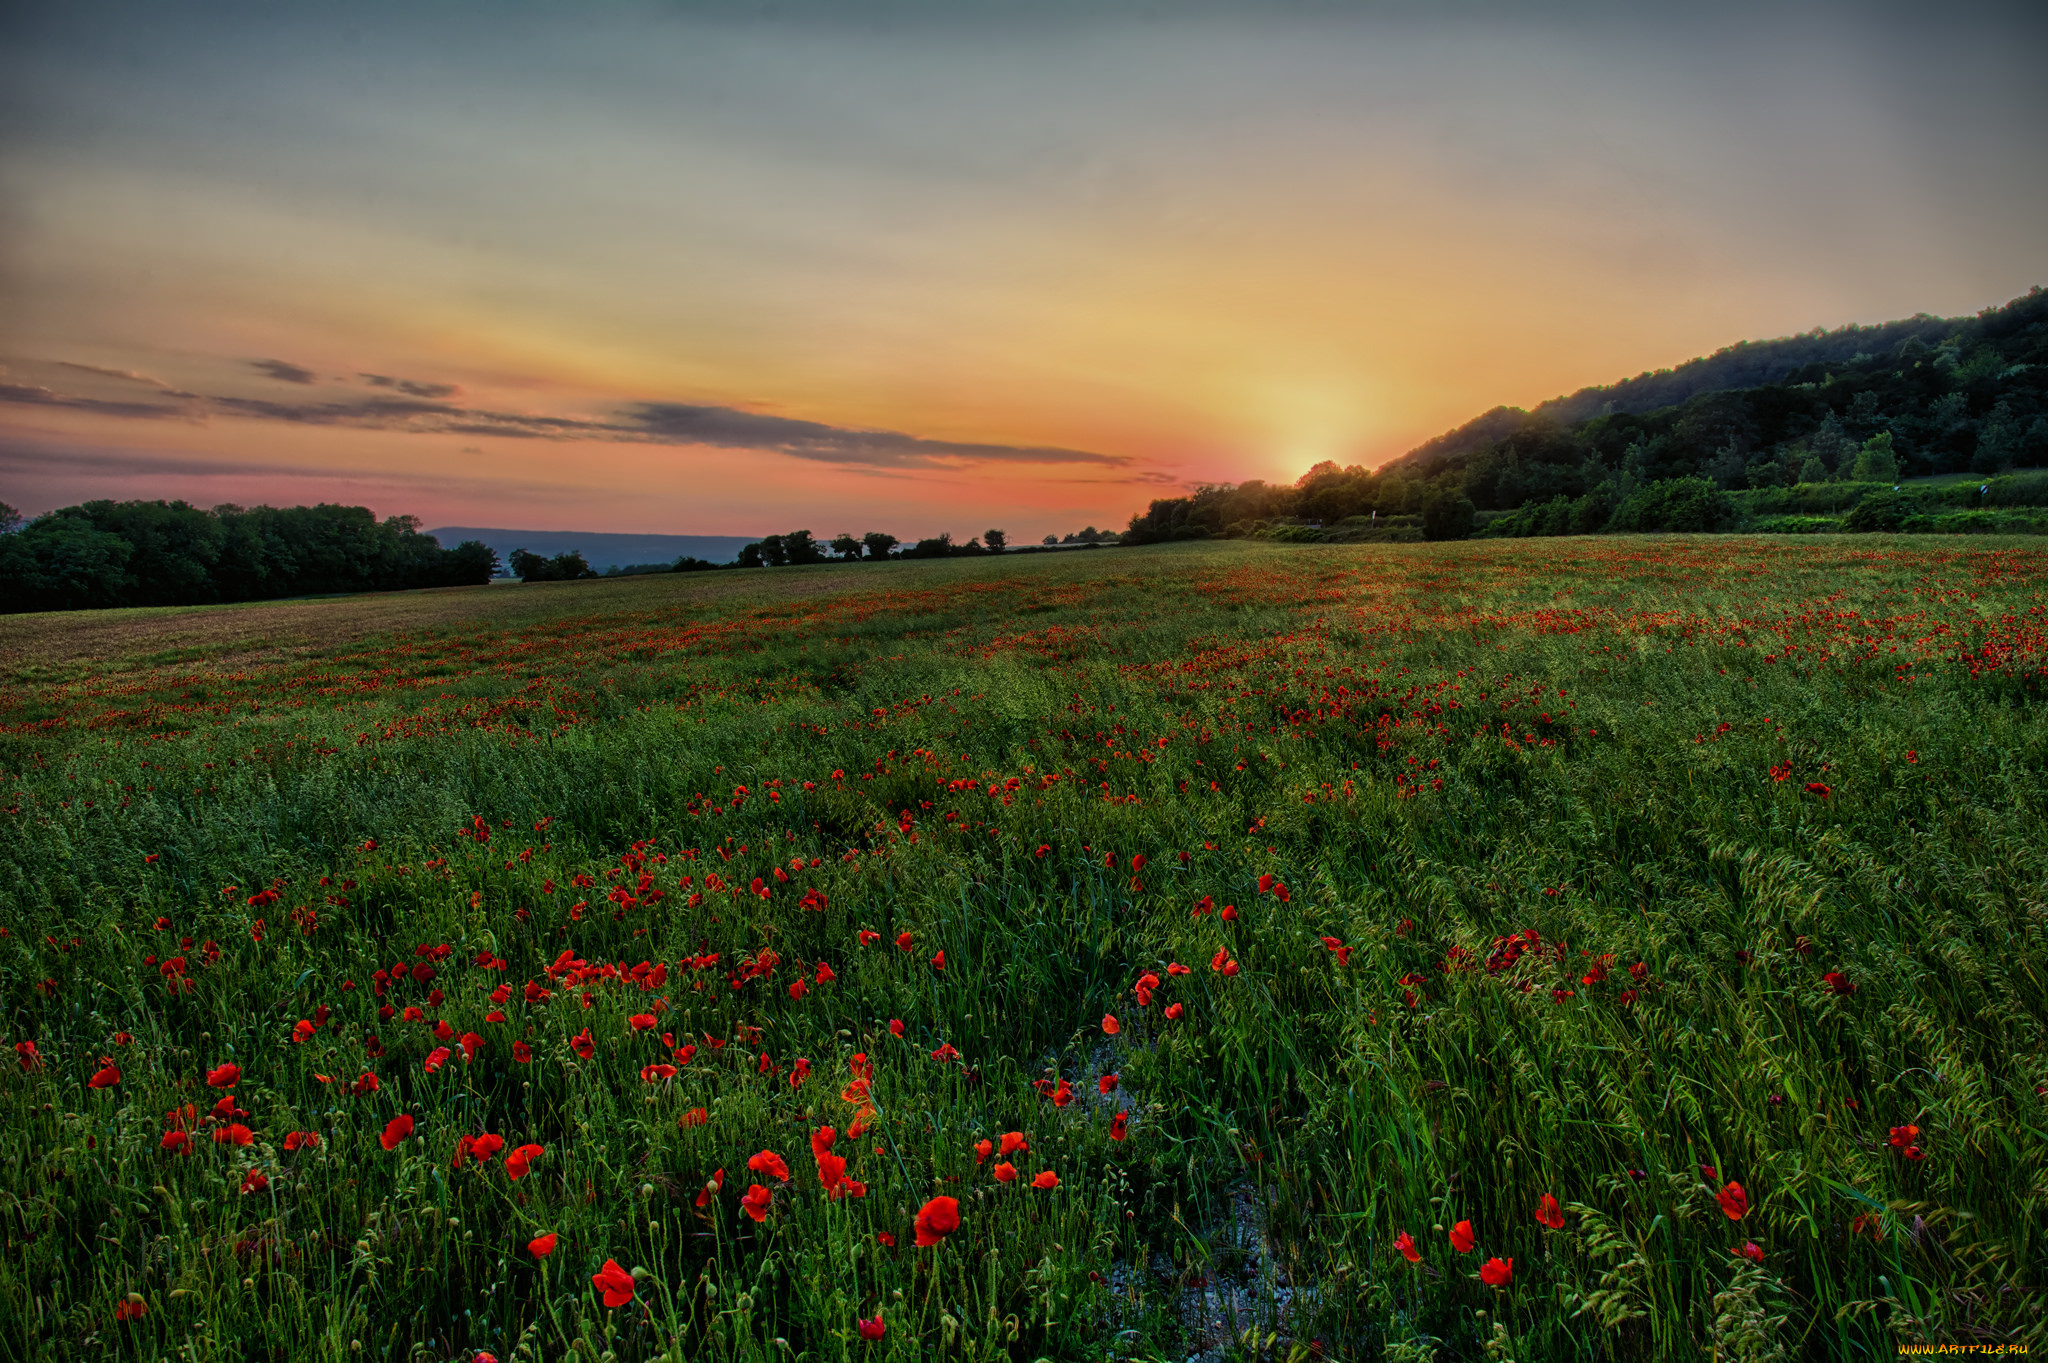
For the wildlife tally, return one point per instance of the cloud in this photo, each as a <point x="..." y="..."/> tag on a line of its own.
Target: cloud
<point x="283" y="371"/>
<point x="412" y="386"/>
<point x="424" y="410"/>
<point x="128" y="374"/>
<point x="732" y="428"/>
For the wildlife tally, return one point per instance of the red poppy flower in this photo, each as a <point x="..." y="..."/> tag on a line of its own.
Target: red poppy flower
<point x="106" y="1077"/>
<point x="302" y="1031"/>
<point x="871" y="1330"/>
<point x="1462" y="1239"/>
<point x="396" y="1130"/>
<point x="936" y="1220"/>
<point x="831" y="1171"/>
<point x="939" y="961"/>
<point x="1549" y="1213"/>
<point x="826" y="974"/>
<point x="712" y="1187"/>
<point x="1043" y="848"/>
<point x="1116" y="1126"/>
<point x="654" y="1073"/>
<point x="1497" y="1272"/>
<point x="177" y="1142"/>
<point x="130" y="1310"/>
<point x="1406" y="1244"/>
<point x="1751" y="1251"/>
<point x="904" y="941"/>
<point x="1818" y="788"/>
<point x="1013" y="1141"/>
<point x="755" y="1202"/>
<point x="1047" y="1179"/>
<point x="885" y="1239"/>
<point x="982" y="1150"/>
<point x="224" y="1076"/>
<point x="1838" y="984"/>
<point x="1110" y="1026"/>
<point x="541" y="1246"/>
<point x="233" y="1134"/>
<point x="583" y="1045"/>
<point x="437" y="1057"/>
<point x="485" y="1146"/>
<point x="696" y="1116"/>
<point x="642" y="1022"/>
<point x="522" y="1052"/>
<point x="1174" y="1010"/>
<point x="614" y="1282"/>
<point x="768" y="1162"/>
<point x="1734" y="1202"/>
<point x="868" y="939"/>
<point x="1106" y="1084"/>
<point x="895" y="1026"/>
<point x="1063" y="1095"/>
<point x="519" y="1161"/>
<point x="255" y="1181"/>
<point x="302" y="1140"/>
<point x="1005" y="1172"/>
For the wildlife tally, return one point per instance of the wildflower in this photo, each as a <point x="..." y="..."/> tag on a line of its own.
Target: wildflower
<point x="1734" y="1202"/>
<point x="1549" y="1213"/>
<point x="1462" y="1239"/>
<point x="224" y="1076"/>
<point x="904" y="941"/>
<point x="982" y="1150"/>
<point x="235" y="1134"/>
<point x="1005" y="1172"/>
<point x="1818" y="788"/>
<point x="755" y="1202"/>
<point x="895" y="1026"/>
<point x="641" y="1022"/>
<point x="1838" y="984"/>
<point x="868" y="939"/>
<point x="177" y="1142"/>
<point x="1337" y="948"/>
<point x="939" y="961"/>
<point x="301" y="1140"/>
<point x="946" y="1054"/>
<point x="1106" y="1084"/>
<point x="302" y="1031"/>
<point x="1063" y="1095"/>
<point x="255" y="1181"/>
<point x="1110" y="1026"/>
<point x="541" y="1246"/>
<point x="437" y="1057"/>
<point x="1406" y="1244"/>
<point x="1116" y="1126"/>
<point x="583" y="1045"/>
<point x="712" y="1187"/>
<point x="884" y="1239"/>
<point x="614" y="1282"/>
<point x="1750" y="1251"/>
<point x="396" y="1130"/>
<point x="131" y="1307"/>
<point x="936" y="1220"/>
<point x="768" y="1162"/>
<point x="1013" y="1141"/>
<point x="871" y="1330"/>
<point x="1047" y="1179"/>
<point x="105" y="1077"/>
<point x="522" y="1052"/>
<point x="1497" y="1272"/>
<point x="696" y="1116"/>
<point x="1174" y="1010"/>
<point x="519" y="1161"/>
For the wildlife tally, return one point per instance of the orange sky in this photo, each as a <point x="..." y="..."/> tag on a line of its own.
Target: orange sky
<point x="934" y="270"/>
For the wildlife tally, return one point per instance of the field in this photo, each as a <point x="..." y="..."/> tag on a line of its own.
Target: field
<point x="1550" y="949"/>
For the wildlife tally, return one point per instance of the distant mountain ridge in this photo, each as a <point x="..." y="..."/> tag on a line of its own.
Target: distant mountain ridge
<point x="601" y="549"/>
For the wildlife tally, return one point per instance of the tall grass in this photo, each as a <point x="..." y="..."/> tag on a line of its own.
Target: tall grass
<point x="1658" y="865"/>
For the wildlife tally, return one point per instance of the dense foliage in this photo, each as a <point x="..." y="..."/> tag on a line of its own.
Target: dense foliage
<point x="1548" y="949"/>
<point x="1864" y="405"/>
<point x="173" y="554"/>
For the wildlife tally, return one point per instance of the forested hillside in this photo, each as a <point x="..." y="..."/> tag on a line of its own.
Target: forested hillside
<point x="1863" y="405"/>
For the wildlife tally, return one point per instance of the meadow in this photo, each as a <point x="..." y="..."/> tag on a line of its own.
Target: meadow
<point x="1577" y="948"/>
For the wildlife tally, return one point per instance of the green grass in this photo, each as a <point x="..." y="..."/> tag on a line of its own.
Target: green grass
<point x="1705" y="773"/>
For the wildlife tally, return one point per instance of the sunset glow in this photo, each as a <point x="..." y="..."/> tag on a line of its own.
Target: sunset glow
<point x="657" y="270"/>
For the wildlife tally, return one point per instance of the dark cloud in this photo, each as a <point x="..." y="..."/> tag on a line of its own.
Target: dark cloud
<point x="412" y="386"/>
<point x="731" y="428"/>
<point x="424" y="410"/>
<point x="283" y="371"/>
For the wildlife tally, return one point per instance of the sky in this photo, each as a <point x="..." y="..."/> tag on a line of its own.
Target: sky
<point x="745" y="268"/>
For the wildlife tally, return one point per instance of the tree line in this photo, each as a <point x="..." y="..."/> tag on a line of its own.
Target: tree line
<point x="143" y="553"/>
<point x="1863" y="406"/>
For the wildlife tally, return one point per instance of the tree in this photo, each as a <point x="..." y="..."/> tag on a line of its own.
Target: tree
<point x="773" y="553"/>
<point x="799" y="547"/>
<point x="1448" y="515"/>
<point x="1813" y="471"/>
<point x="1876" y="462"/>
<point x="938" y="547"/>
<point x="10" y="519"/>
<point x="750" y="556"/>
<point x="473" y="564"/>
<point x="878" y="543"/>
<point x="845" y="545"/>
<point x="1052" y="539"/>
<point x="996" y="541"/>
